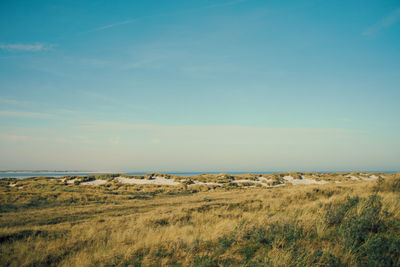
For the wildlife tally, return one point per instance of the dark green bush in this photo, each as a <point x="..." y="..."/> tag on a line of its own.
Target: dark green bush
<point x="323" y="258"/>
<point x="371" y="220"/>
<point x="379" y="250"/>
<point x="206" y="261"/>
<point x="226" y="242"/>
<point x="368" y="233"/>
<point x="335" y="213"/>
<point x="249" y="250"/>
<point x="389" y="184"/>
<point x="88" y="178"/>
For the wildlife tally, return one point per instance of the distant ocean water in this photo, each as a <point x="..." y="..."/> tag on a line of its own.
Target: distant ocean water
<point x="186" y="174"/>
<point x="36" y="174"/>
<point x="60" y="174"/>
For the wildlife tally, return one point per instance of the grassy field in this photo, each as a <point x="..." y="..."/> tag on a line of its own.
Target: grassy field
<point x="345" y="222"/>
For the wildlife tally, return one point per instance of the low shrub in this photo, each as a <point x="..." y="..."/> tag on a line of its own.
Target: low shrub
<point x="334" y="213"/>
<point x="365" y="228"/>
<point x="372" y="220"/>
<point x="389" y="184"/>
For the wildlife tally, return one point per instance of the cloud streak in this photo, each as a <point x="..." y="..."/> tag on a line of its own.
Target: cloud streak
<point x="8" y="101"/>
<point x="8" y="113"/>
<point x="37" y="47"/>
<point x="386" y="22"/>
<point x="230" y="3"/>
<point x="113" y="25"/>
<point x="13" y="138"/>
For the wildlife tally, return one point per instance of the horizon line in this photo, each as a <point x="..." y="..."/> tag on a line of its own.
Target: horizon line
<point x="194" y="171"/>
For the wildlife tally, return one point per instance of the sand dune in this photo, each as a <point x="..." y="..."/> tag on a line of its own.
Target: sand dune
<point x="155" y="180"/>
<point x="304" y="180"/>
<point x="94" y="182"/>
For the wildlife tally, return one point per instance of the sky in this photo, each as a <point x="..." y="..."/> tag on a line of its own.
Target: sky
<point x="205" y="85"/>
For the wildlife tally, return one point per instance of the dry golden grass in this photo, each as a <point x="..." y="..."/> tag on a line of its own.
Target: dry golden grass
<point x="48" y="223"/>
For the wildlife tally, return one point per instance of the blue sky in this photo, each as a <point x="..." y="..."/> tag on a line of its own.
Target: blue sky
<point x="230" y="85"/>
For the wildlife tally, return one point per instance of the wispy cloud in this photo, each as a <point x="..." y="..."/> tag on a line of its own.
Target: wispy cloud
<point x="108" y="26"/>
<point x="113" y="25"/>
<point x="37" y="47"/>
<point x="94" y="62"/>
<point x="230" y="3"/>
<point x="148" y="62"/>
<point x="12" y="137"/>
<point x="386" y="22"/>
<point x="8" y="101"/>
<point x="8" y="113"/>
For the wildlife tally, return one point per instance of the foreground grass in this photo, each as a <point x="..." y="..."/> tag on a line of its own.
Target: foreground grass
<point x="46" y="222"/>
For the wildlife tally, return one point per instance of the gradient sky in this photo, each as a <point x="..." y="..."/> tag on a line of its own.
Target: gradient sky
<point x="223" y="85"/>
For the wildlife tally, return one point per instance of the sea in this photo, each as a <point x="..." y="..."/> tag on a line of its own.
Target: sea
<point x="22" y="175"/>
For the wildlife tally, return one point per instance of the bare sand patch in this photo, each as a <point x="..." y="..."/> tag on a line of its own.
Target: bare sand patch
<point x="260" y="180"/>
<point x="266" y="180"/>
<point x="354" y="178"/>
<point x="304" y="180"/>
<point x="94" y="182"/>
<point x="370" y="178"/>
<point x="155" y="180"/>
<point x="201" y="183"/>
